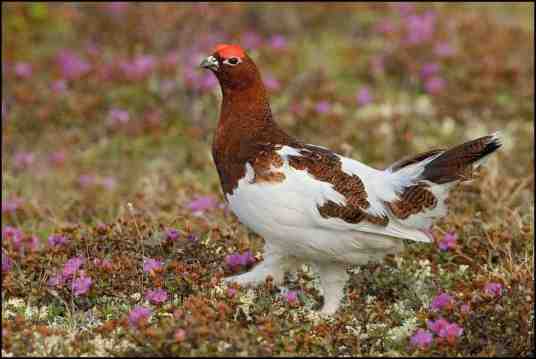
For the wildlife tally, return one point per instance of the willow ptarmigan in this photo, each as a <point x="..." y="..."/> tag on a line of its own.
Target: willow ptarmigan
<point x="313" y="205"/>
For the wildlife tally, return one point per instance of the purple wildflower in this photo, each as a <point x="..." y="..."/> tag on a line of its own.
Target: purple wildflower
<point x="150" y="264"/>
<point x="422" y="339"/>
<point x="108" y="182"/>
<point x="203" y="203"/>
<point x="57" y="240"/>
<point x="364" y="97"/>
<point x="434" y="85"/>
<point x="13" y="235"/>
<point x="451" y="330"/>
<point x="72" y="66"/>
<point x="420" y="28"/>
<point x="278" y="42"/>
<point x="87" y="180"/>
<point x="59" y="86"/>
<point x="429" y="69"/>
<point x="156" y="296"/>
<point x="239" y="260"/>
<point x="448" y="241"/>
<point x="437" y="325"/>
<point x="118" y="116"/>
<point x="72" y="266"/>
<point x="251" y="40"/>
<point x="291" y="296"/>
<point x="139" y="67"/>
<point x="23" y="70"/>
<point x="81" y="285"/>
<point x="138" y="315"/>
<point x="441" y="301"/>
<point x="271" y="83"/>
<point x="192" y="238"/>
<point x="57" y="158"/>
<point x="7" y="263"/>
<point x="56" y="280"/>
<point x="493" y="289"/>
<point x="32" y="243"/>
<point x="444" y="49"/>
<point x="11" y="205"/>
<point x="231" y="292"/>
<point x="23" y="159"/>
<point x="323" y="107"/>
<point x="172" y="234"/>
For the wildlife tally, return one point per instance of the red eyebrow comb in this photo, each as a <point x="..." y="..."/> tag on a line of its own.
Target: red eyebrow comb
<point x="226" y="51"/>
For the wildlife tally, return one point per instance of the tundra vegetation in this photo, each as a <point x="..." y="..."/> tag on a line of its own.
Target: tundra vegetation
<point x="115" y="234"/>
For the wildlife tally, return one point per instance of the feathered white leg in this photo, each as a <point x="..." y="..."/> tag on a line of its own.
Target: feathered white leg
<point x="333" y="277"/>
<point x="274" y="264"/>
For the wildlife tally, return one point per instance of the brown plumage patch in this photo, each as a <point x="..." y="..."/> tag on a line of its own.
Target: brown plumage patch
<point x="263" y="165"/>
<point x="412" y="201"/>
<point x="326" y="166"/>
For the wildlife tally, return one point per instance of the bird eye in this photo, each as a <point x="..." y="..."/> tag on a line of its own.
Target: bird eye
<point x="232" y="61"/>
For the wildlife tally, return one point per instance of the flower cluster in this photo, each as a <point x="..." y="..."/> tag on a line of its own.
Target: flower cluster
<point x="235" y="260"/>
<point x="73" y="276"/>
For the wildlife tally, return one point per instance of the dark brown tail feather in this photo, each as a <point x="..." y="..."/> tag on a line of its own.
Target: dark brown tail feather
<point x="453" y="164"/>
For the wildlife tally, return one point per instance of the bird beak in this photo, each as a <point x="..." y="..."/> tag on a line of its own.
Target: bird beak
<point x="210" y="63"/>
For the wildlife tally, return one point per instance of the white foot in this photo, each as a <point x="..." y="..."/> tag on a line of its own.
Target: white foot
<point x="271" y="265"/>
<point x="333" y="278"/>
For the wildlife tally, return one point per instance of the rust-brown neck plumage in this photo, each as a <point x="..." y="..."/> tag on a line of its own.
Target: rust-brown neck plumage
<point x="245" y="127"/>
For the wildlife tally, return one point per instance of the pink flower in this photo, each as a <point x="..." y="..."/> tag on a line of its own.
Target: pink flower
<point x="323" y="107"/>
<point x="434" y="85"/>
<point x="452" y="330"/>
<point x="11" y="205"/>
<point x="7" y="263"/>
<point x="448" y="241"/>
<point x="139" y="68"/>
<point x="57" y="240"/>
<point x="291" y="296"/>
<point x="32" y="243"/>
<point x="429" y="69"/>
<point x="231" y="292"/>
<point x="364" y="97"/>
<point x="172" y="234"/>
<point x="138" y="315"/>
<point x="59" y="86"/>
<point x="437" y="325"/>
<point x="203" y="203"/>
<point x="271" y="83"/>
<point x="493" y="289"/>
<point x="56" y="280"/>
<point x="150" y="264"/>
<point x="443" y="49"/>
<point x="422" y="339"/>
<point x="23" y="159"/>
<point x="251" y="40"/>
<point x="23" y="70"/>
<point x="72" y="266"/>
<point x="277" y="42"/>
<point x="118" y="116"/>
<point x="81" y="285"/>
<point x="14" y="235"/>
<point x="71" y="66"/>
<point x="441" y="301"/>
<point x="236" y="260"/>
<point x="420" y="28"/>
<point x="87" y="180"/>
<point x="156" y="296"/>
<point x="57" y="158"/>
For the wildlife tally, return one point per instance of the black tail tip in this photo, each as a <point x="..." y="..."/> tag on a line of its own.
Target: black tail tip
<point x="493" y="144"/>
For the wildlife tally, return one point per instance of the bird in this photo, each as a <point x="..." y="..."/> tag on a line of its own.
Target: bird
<point x="314" y="206"/>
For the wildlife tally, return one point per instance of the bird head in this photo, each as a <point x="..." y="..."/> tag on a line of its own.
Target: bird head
<point x="232" y="66"/>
